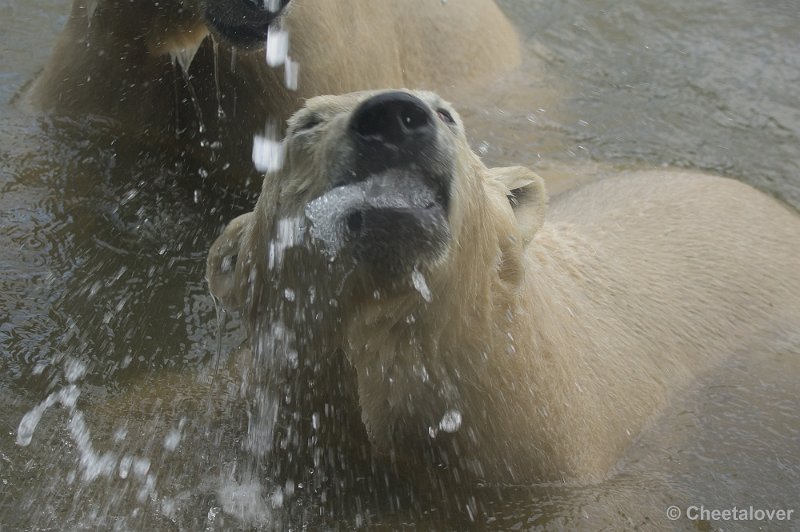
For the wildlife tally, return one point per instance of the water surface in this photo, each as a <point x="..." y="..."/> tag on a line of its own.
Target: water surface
<point x="102" y="256"/>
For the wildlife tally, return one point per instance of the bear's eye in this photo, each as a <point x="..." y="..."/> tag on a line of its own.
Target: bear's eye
<point x="445" y="115"/>
<point x="309" y="123"/>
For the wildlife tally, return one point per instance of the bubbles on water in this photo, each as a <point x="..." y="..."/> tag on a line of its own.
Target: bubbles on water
<point x="418" y="280"/>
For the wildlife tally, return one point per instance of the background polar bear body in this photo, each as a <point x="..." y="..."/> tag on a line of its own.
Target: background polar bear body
<point x="536" y="350"/>
<point x="117" y="59"/>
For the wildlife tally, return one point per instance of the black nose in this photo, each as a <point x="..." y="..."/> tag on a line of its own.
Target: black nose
<point x="392" y="123"/>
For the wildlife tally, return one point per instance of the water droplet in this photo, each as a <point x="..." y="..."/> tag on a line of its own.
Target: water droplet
<point x="277" y="46"/>
<point x="422" y="287"/>
<point x="267" y="152"/>
<point x="185" y="56"/>
<point x="172" y="439"/>
<point x="451" y="421"/>
<point x="290" y="232"/>
<point x="141" y="466"/>
<point x="120" y="434"/>
<point x="291" y="73"/>
<point x="30" y="420"/>
<point x="125" y="466"/>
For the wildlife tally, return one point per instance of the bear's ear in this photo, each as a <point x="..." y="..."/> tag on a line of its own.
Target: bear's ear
<point x="221" y="262"/>
<point x="527" y="195"/>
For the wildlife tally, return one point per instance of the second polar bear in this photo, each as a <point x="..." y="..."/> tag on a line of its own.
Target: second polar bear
<point x="503" y="339"/>
<point x="190" y="77"/>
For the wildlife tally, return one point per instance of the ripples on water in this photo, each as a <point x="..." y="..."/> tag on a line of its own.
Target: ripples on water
<point x="103" y="249"/>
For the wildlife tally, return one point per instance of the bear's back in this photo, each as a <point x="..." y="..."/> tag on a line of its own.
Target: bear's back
<point x="699" y="262"/>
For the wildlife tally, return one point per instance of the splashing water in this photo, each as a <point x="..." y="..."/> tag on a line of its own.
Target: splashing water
<point x="422" y="287"/>
<point x="291" y="73"/>
<point x="391" y="189"/>
<point x="276" y="51"/>
<point x="451" y="421"/>
<point x="290" y="233"/>
<point x="92" y="464"/>
<point x="325" y="212"/>
<point x="185" y="56"/>
<point x="277" y="47"/>
<point x="268" y="150"/>
<point x="246" y="502"/>
<point x="273" y="6"/>
<point x="91" y="6"/>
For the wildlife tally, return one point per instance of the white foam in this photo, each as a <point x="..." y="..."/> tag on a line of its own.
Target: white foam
<point x="325" y="213"/>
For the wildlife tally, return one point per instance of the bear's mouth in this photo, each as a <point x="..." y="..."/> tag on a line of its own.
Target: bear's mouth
<point x="388" y="222"/>
<point x="243" y="23"/>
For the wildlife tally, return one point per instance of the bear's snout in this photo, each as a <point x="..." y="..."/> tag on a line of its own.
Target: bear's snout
<point x="391" y="129"/>
<point x="243" y="23"/>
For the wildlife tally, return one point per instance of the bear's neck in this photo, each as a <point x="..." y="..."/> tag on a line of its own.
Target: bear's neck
<point x="496" y="353"/>
<point x="426" y="361"/>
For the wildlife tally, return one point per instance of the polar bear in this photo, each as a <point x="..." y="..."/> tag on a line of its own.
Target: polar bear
<point x="503" y="339"/>
<point x="191" y="75"/>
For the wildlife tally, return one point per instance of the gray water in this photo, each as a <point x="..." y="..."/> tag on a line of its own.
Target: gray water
<point x="102" y="293"/>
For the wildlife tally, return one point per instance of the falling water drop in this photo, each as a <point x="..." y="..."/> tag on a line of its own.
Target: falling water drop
<point x="290" y="72"/>
<point x="215" y="48"/>
<point x="268" y="150"/>
<point x="422" y="287"/>
<point x="277" y="46"/>
<point x="451" y="421"/>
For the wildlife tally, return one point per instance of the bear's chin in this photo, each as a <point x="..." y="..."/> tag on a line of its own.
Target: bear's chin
<point x="388" y="243"/>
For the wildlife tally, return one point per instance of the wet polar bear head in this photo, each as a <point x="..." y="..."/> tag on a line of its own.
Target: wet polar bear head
<point x="385" y="188"/>
<point x="484" y="339"/>
<point x="379" y="208"/>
